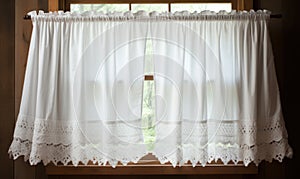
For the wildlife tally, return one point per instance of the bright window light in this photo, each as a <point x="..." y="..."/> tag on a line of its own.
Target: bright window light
<point x="149" y="7"/>
<point x="201" y="7"/>
<point x="99" y="7"/>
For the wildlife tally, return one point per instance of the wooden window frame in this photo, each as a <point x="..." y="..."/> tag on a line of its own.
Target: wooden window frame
<point x="148" y="165"/>
<point x="153" y="168"/>
<point x="55" y="5"/>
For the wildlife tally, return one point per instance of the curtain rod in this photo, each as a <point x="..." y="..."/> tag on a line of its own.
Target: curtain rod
<point x="273" y="16"/>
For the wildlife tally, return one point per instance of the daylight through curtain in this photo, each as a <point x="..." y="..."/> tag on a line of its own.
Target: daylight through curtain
<point x="216" y="92"/>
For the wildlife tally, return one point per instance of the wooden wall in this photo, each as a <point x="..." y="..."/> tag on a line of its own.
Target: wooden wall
<point x="7" y="43"/>
<point x="291" y="95"/>
<point x="14" y="43"/>
<point x="158" y="177"/>
<point x="22" y="39"/>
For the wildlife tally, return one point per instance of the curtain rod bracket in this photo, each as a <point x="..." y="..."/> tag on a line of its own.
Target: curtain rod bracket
<point x="277" y="16"/>
<point x="26" y="17"/>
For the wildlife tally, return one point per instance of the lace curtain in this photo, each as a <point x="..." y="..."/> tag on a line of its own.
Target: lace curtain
<point x="216" y="90"/>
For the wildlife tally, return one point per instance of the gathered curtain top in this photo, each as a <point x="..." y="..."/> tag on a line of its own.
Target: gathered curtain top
<point x="154" y="15"/>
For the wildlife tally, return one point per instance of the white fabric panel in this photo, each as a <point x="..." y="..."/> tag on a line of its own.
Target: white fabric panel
<point x="216" y="89"/>
<point x="81" y="98"/>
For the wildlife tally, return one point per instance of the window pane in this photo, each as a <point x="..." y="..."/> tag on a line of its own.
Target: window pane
<point x="99" y="7"/>
<point x="201" y="7"/>
<point x="148" y="116"/>
<point x="149" y="7"/>
<point x="148" y="100"/>
<point x="149" y="66"/>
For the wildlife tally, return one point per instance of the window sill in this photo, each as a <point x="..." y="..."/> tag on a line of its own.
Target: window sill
<point x="151" y="168"/>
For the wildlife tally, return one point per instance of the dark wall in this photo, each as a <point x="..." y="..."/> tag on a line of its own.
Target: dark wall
<point x="285" y="37"/>
<point x="7" y="51"/>
<point x="14" y="41"/>
<point x="291" y="105"/>
<point x="286" y="41"/>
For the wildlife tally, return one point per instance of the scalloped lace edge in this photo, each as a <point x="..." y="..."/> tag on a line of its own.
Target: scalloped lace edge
<point x="58" y="133"/>
<point x="60" y="154"/>
<point x="276" y="150"/>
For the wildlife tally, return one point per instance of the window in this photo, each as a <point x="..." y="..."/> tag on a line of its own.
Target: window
<point x="161" y="7"/>
<point x="99" y="7"/>
<point x="235" y="4"/>
<point x="148" y="116"/>
<point x="201" y="6"/>
<point x="148" y="105"/>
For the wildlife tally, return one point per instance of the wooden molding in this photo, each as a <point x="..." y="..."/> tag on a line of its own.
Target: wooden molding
<point x="53" y="5"/>
<point x="236" y="4"/>
<point x="244" y="5"/>
<point x="149" y="165"/>
<point x="69" y="2"/>
<point x="152" y="168"/>
<point x="144" y="1"/>
<point x="248" y="5"/>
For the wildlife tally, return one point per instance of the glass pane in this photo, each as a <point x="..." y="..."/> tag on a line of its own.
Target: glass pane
<point x="148" y="115"/>
<point x="149" y="66"/>
<point x="149" y="7"/>
<point x="148" y="100"/>
<point x="99" y="7"/>
<point x="191" y="7"/>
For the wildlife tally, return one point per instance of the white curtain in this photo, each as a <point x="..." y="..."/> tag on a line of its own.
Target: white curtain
<point x="77" y="104"/>
<point x="215" y="83"/>
<point x="216" y="90"/>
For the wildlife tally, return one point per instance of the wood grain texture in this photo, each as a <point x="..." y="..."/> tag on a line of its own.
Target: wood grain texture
<point x="22" y="170"/>
<point x="53" y="5"/>
<point x="23" y="31"/>
<point x="143" y="1"/>
<point x="155" y="169"/>
<point x="156" y="177"/>
<point x="7" y="43"/>
<point x="248" y="4"/>
<point x="275" y="169"/>
<point x="291" y="56"/>
<point x="44" y="4"/>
